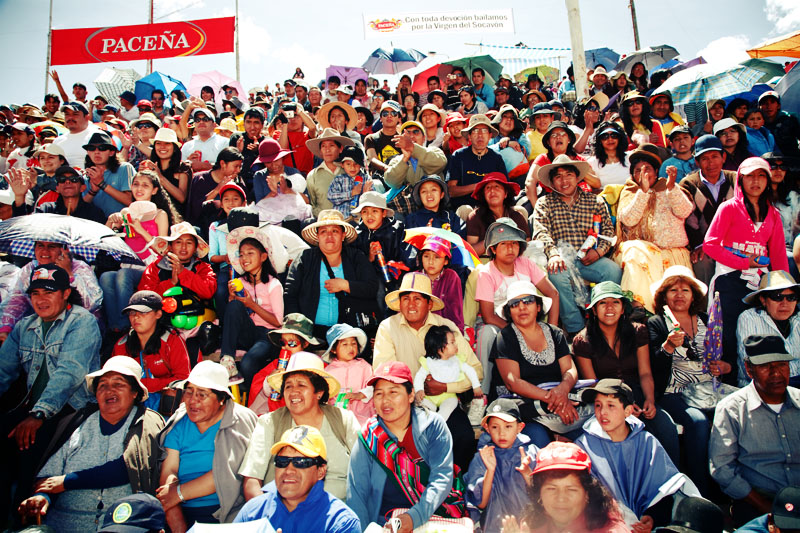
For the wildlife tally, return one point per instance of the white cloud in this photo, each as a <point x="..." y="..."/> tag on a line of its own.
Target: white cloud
<point x="726" y="50"/>
<point x="785" y="14"/>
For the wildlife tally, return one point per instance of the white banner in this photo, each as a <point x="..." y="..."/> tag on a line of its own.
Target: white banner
<point x="471" y="21"/>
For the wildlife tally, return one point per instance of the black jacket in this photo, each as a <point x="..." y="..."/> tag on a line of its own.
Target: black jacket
<point x="390" y="235"/>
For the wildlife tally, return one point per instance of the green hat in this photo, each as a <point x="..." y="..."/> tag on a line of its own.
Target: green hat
<point x="606" y="289"/>
<point x="296" y="324"/>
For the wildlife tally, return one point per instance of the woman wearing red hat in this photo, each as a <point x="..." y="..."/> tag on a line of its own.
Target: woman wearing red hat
<point x="495" y="195"/>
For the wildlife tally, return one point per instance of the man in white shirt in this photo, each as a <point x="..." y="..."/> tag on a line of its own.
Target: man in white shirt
<point x="76" y="119"/>
<point x="129" y="110"/>
<point x="204" y="147"/>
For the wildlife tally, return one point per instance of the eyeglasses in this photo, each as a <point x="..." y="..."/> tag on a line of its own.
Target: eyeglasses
<point x="95" y="148"/>
<point x="282" y="461"/>
<point x="200" y="396"/>
<point x="527" y="300"/>
<point x="290" y="344"/>
<point x="203" y="119"/>
<point x="144" y="125"/>
<point x="559" y="134"/>
<point x="388" y="113"/>
<point x="779" y="297"/>
<point x="71" y="179"/>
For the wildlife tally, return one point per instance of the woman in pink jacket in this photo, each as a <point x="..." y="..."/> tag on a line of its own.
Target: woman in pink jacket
<point x="745" y="239"/>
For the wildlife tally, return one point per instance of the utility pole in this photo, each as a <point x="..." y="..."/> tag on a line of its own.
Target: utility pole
<point x="150" y="21"/>
<point x="236" y="31"/>
<point x="49" y="44"/>
<point x="578" y="55"/>
<point x="632" y="5"/>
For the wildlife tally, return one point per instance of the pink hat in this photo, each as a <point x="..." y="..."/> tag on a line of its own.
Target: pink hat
<point x="561" y="456"/>
<point x="393" y="371"/>
<point x="232" y="186"/>
<point x="754" y="163"/>
<point x="437" y="245"/>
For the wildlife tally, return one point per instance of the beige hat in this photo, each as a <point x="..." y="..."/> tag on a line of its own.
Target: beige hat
<point x="329" y="217"/>
<point x="413" y="282"/>
<point x="328" y="134"/>
<point x="227" y="124"/>
<point x="479" y="120"/>
<point x="146" y="117"/>
<point x="52" y="149"/>
<point x="372" y="199"/>
<point x="680" y="271"/>
<point x="431" y="107"/>
<point x="773" y="281"/>
<point x="275" y="251"/>
<point x="349" y="113"/>
<point x="598" y="71"/>
<point x="121" y="364"/>
<point x="160" y="244"/>
<point x="167" y="135"/>
<point x="308" y="362"/>
<point x="562" y="160"/>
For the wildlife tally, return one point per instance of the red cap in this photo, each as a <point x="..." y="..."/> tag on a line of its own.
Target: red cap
<point x="512" y="189"/>
<point x="393" y="371"/>
<point x="454" y="117"/>
<point x="144" y="103"/>
<point x="561" y="456"/>
<point x="232" y="186"/>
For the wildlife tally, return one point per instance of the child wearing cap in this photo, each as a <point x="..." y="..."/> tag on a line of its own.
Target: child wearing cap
<point x="345" y="344"/>
<point x="431" y="199"/>
<point x="434" y="259"/>
<point x="496" y="486"/>
<point x="629" y="461"/>
<point x="350" y="182"/>
<point x="682" y="143"/>
<point x="231" y="196"/>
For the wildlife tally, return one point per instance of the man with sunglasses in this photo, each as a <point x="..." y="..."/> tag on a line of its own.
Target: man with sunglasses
<point x="70" y="185"/>
<point x="381" y="146"/>
<point x="202" y="150"/>
<point x="455" y="81"/>
<point x="76" y="119"/>
<point x="296" y="500"/>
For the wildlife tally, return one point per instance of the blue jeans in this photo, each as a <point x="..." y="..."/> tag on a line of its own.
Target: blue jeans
<point x="239" y="332"/>
<point x="221" y="295"/>
<point x="696" y="431"/>
<point x="604" y="269"/>
<point x="118" y="287"/>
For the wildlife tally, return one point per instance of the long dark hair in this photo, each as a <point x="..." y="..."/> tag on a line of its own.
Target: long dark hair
<point x="740" y="151"/>
<point x="227" y="155"/>
<point x="111" y="165"/>
<point x="639" y="81"/>
<point x="174" y="160"/>
<point x="763" y="201"/>
<point x="160" y="198"/>
<point x="625" y="332"/>
<point x="622" y="145"/>
<point x="627" y="122"/>
<point x="600" y="506"/>
<point x="267" y="269"/>
<point x="133" y="347"/>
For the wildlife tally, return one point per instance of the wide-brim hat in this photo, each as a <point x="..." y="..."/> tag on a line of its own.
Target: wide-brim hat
<point x="527" y="96"/>
<point x="606" y="289"/>
<point x="227" y="124"/>
<point x="146" y="117"/>
<point x="504" y="229"/>
<point x="425" y="179"/>
<point x="167" y="135"/>
<point x="121" y="364"/>
<point x="235" y="238"/>
<point x="598" y="71"/>
<point x="562" y="160"/>
<point x="209" y="375"/>
<point x="601" y="99"/>
<point x="369" y="118"/>
<point x="328" y="134"/>
<point x="512" y="189"/>
<point x="558" y="124"/>
<point x="296" y="324"/>
<point x="417" y="282"/>
<point x="349" y="113"/>
<point x="269" y="150"/>
<point x="160" y="244"/>
<point x="522" y="288"/>
<point x="328" y="217"/>
<point x="633" y="95"/>
<point x="646" y="152"/>
<point x="679" y="271"/>
<point x="726" y="123"/>
<point x="373" y="199"/>
<point x="431" y="107"/>
<point x="308" y="362"/>
<point x="479" y="120"/>
<point x="338" y="332"/>
<point x="774" y="280"/>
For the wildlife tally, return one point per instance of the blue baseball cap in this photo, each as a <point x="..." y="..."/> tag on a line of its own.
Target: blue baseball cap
<point x="705" y="144"/>
<point x="137" y="513"/>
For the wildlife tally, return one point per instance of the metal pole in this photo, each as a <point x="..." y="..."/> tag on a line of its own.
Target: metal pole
<point x="236" y="21"/>
<point x="632" y="5"/>
<point x="150" y="21"/>
<point x="49" y="44"/>
<point x="578" y="55"/>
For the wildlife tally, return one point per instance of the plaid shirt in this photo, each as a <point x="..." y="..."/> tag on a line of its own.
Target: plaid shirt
<point x="340" y="193"/>
<point x="554" y="220"/>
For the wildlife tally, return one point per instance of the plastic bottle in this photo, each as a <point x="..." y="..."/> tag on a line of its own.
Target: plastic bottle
<point x="359" y="179"/>
<point x="283" y="362"/>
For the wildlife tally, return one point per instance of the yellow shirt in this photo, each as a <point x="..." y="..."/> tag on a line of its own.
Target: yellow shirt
<point x="537" y="147"/>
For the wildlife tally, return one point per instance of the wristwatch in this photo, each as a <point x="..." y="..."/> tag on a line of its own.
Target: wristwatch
<point x="38" y="415"/>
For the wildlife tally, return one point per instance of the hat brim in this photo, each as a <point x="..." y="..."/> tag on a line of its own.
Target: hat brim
<point x="764" y="358"/>
<point x="604" y="295"/>
<point x="357" y="210"/>
<point x="752" y="298"/>
<point x="276" y="380"/>
<point x="512" y="189"/>
<point x="309" y="233"/>
<point x="502" y="416"/>
<point x="138" y="308"/>
<point x="204" y="383"/>
<point x="431" y="107"/>
<point x="438" y="181"/>
<point x="275" y="336"/>
<point x="699" y="285"/>
<point x="392" y="379"/>
<point x="234" y="240"/>
<point x="349" y="112"/>
<point x="357" y="333"/>
<point x="544" y="172"/>
<point x="547" y="302"/>
<point x="558" y="466"/>
<point x="314" y="144"/>
<point x="492" y="129"/>
<point x="161" y="243"/>
<point x="278" y="446"/>
<point x="90" y="379"/>
<point x="393" y="300"/>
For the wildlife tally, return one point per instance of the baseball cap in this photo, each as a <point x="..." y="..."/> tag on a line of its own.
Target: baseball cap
<point x="143" y="302"/>
<point x="393" y="371"/>
<point x="754" y="163"/>
<point x="19" y="126"/>
<point x="305" y="439"/>
<point x="608" y="386"/>
<point x="504" y="409"/>
<point x="786" y="508"/>
<point x="75" y="106"/>
<point x="144" y="103"/>
<point x="768" y="94"/>
<point x="204" y="111"/>
<point x="66" y="170"/>
<point x="290" y="82"/>
<point x="137" y="513"/>
<point x="561" y="456"/>
<point x="763" y="349"/>
<point x="128" y="96"/>
<point x="391" y="104"/>
<point x="707" y="143"/>
<point x="49" y="277"/>
<point x="679" y="129"/>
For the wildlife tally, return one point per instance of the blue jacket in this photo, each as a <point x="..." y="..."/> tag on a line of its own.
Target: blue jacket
<point x="71" y="349"/>
<point x="366" y="477"/>
<point x="509" y="491"/>
<point x="320" y="512"/>
<point x="760" y="141"/>
<point x="756" y="525"/>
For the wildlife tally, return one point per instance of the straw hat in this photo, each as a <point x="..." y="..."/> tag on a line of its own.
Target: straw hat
<point x="329" y="217"/>
<point x="328" y="134"/>
<point x="121" y="364"/>
<point x="160" y="244"/>
<point x="431" y="107"/>
<point x="562" y="160"/>
<point x="773" y="281"/>
<point x="227" y="124"/>
<point x="479" y="120"/>
<point x="310" y="363"/>
<point x="349" y="113"/>
<point x="413" y="282"/>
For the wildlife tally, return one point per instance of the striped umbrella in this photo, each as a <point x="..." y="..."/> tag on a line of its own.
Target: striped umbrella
<point x="392" y="60"/>
<point x="112" y="82"/>
<point x="712" y="349"/>
<point x="709" y="81"/>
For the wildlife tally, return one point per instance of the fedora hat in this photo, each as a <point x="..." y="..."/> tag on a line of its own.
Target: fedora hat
<point x="349" y="113"/>
<point x="121" y="364"/>
<point x="413" y="282"/>
<point x="308" y="362"/>
<point x="296" y="324"/>
<point x="479" y="120"/>
<point x="775" y="280"/>
<point x="328" y="134"/>
<point x="269" y="150"/>
<point x="562" y="160"/>
<point x="329" y="217"/>
<point x="160" y="244"/>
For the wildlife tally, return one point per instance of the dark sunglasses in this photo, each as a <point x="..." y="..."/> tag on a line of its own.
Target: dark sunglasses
<point x="96" y="147"/>
<point x="605" y="136"/>
<point x="527" y="300"/>
<point x="145" y="125"/>
<point x="281" y="461"/>
<point x="387" y="113"/>
<point x="204" y="119"/>
<point x="593" y="108"/>
<point x="782" y="166"/>
<point x="72" y="179"/>
<point x="413" y="131"/>
<point x="290" y="344"/>
<point x="779" y="297"/>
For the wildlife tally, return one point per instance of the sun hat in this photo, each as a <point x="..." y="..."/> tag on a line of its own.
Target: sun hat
<point x="160" y="243"/>
<point x="679" y="271"/>
<point x="504" y="229"/>
<point x="209" y="375"/>
<point x="167" y="135"/>
<point x="431" y="107"/>
<point x="512" y="189"/>
<point x="646" y="152"/>
<point x="307" y="362"/>
<point x="607" y="386"/>
<point x="598" y="71"/>
<point x="338" y="332"/>
<point x="726" y="123"/>
<point x="121" y="364"/>
<point x="505" y="409"/>
<point x="49" y="277"/>
<point x="393" y="371"/>
<point x="372" y="199"/>
<point x="455" y="116"/>
<point x="146" y="117"/>
<point x="707" y="143"/>
<point x="307" y="440"/>
<point x="752" y="164"/>
<point x="558" y="124"/>
<point x="425" y="179"/>
<point x="349" y="112"/>
<point x="227" y="124"/>
<point x="269" y="150"/>
<point x="328" y="134"/>
<point x="369" y="118"/>
<point x="479" y="120"/>
<point x="562" y="456"/>
<point x="417" y="282"/>
<point x="328" y="217"/>
<point x="774" y="280"/>
<point x="101" y="139"/>
<point x="143" y="302"/>
<point x="235" y="238"/>
<point x="562" y="160"/>
<point x="633" y="95"/>
<point x="527" y="96"/>
<point x="519" y="288"/>
<point x="695" y="515"/>
<point x="437" y="245"/>
<point x="763" y="349"/>
<point x="605" y="289"/>
<point x="296" y="324"/>
<point x="135" y="513"/>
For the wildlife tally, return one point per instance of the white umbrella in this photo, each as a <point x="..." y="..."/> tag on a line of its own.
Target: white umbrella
<point x="709" y="81"/>
<point x="651" y="56"/>
<point x="112" y="82"/>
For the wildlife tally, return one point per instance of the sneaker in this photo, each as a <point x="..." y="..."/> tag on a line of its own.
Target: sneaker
<point x="229" y="363"/>
<point x="477" y="407"/>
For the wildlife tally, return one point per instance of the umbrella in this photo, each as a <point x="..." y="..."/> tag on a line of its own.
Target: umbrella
<point x="39" y="126"/>
<point x="708" y="81"/>
<point x="651" y="57"/>
<point x="751" y="95"/>
<point x="489" y="64"/>
<point x="712" y="349"/>
<point x="784" y="46"/>
<point x="385" y="61"/>
<point x="84" y="238"/>
<point x="789" y="90"/>
<point x="347" y="75"/>
<point x="601" y="56"/>
<point x="112" y="82"/>
<point x="420" y="84"/>
<point x="463" y="252"/>
<point x="546" y="73"/>
<point x="215" y="80"/>
<point x="769" y="68"/>
<point x="158" y="80"/>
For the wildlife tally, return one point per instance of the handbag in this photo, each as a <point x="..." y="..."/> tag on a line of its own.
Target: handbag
<point x="704" y="396"/>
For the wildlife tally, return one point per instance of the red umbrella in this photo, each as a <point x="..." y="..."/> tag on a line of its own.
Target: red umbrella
<point x="420" y="84"/>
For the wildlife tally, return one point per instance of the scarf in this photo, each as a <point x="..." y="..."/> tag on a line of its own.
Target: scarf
<point x="410" y="475"/>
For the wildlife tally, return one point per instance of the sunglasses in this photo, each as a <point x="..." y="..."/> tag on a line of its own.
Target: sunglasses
<point x="290" y="344"/>
<point x="95" y="148"/>
<point x="527" y="300"/>
<point x="144" y="125"/>
<point x="203" y="119"/>
<point x="779" y="297"/>
<point x="281" y="461"/>
<point x="388" y="113"/>
<point x="413" y="131"/>
<point x="593" y="108"/>
<point x="71" y="179"/>
<point x="605" y="136"/>
<point x="783" y="166"/>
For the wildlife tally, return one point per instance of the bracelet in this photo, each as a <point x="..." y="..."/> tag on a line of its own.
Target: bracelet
<point x="102" y="186"/>
<point x="180" y="495"/>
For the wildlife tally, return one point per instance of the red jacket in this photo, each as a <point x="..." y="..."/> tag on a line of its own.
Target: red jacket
<point x="201" y="279"/>
<point x="169" y="364"/>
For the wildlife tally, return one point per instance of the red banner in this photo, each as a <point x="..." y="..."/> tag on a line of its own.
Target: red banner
<point x="143" y="41"/>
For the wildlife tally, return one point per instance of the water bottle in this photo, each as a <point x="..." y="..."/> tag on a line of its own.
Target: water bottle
<point x="283" y="362"/>
<point x="354" y="200"/>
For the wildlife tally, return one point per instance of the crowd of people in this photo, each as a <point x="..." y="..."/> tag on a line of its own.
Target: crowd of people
<point x="347" y="305"/>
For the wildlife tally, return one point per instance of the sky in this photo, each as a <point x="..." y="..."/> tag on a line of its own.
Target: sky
<point x="319" y="33"/>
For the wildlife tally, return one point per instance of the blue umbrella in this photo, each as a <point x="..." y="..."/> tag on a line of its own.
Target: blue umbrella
<point x="158" y="80"/>
<point x="392" y="61"/>
<point x="601" y="56"/>
<point x="789" y="90"/>
<point x="751" y="95"/>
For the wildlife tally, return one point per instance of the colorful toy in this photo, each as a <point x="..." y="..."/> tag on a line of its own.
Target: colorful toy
<point x="186" y="310"/>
